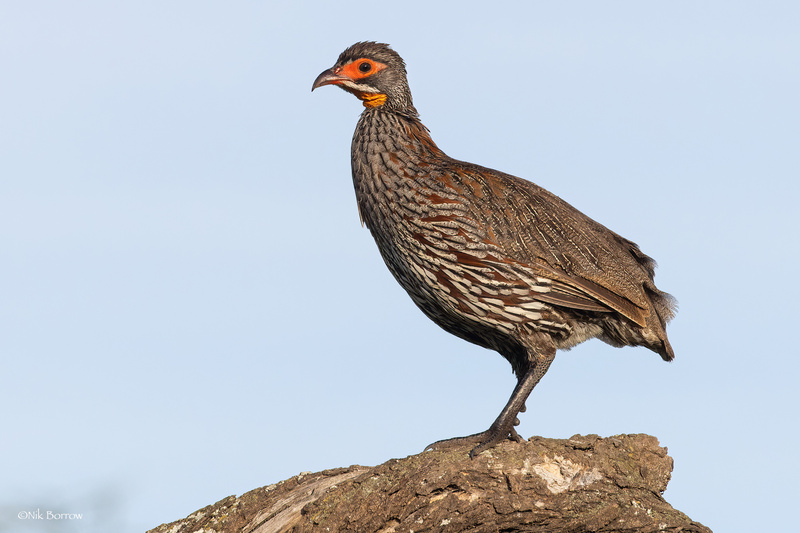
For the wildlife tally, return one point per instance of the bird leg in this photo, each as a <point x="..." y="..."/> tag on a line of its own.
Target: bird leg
<point x="503" y="427"/>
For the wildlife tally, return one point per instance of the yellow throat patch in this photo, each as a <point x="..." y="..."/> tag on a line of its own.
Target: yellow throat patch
<point x="372" y="99"/>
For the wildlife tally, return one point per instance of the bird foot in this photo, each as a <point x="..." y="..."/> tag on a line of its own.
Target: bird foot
<point x="479" y="441"/>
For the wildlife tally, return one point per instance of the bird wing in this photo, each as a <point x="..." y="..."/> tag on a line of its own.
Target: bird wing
<point x="591" y="267"/>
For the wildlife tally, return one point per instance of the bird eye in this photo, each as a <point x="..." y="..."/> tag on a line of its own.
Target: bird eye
<point x="365" y="67"/>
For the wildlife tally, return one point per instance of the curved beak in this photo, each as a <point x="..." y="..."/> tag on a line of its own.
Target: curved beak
<point x="328" y="77"/>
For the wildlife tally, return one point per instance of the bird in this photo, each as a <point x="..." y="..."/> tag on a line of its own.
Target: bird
<point x="491" y="258"/>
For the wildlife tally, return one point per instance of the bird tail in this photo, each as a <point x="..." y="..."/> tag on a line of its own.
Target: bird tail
<point x="665" y="307"/>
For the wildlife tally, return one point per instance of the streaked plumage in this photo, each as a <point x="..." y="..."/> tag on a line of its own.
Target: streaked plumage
<point x="491" y="258"/>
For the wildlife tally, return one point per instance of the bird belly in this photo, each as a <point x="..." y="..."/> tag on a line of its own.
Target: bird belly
<point x="477" y="303"/>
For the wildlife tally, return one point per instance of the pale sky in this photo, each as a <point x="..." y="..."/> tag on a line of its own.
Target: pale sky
<point x="190" y="308"/>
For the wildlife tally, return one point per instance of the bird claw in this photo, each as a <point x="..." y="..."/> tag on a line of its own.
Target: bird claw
<point x="455" y="442"/>
<point x="479" y="441"/>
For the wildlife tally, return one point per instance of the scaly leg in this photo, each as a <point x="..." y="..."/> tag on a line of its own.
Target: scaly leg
<point x="503" y="426"/>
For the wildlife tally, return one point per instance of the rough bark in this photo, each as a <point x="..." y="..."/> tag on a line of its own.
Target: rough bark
<point x="585" y="483"/>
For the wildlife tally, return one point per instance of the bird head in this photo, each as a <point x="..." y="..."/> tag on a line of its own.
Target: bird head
<point x="373" y="72"/>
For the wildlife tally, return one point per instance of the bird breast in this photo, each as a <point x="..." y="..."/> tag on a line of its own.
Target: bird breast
<point x="430" y="237"/>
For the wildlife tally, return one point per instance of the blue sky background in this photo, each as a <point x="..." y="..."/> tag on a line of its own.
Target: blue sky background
<point x="190" y="309"/>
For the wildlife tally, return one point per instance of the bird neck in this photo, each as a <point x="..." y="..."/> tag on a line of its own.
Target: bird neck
<point x="392" y="157"/>
<point x="396" y="132"/>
